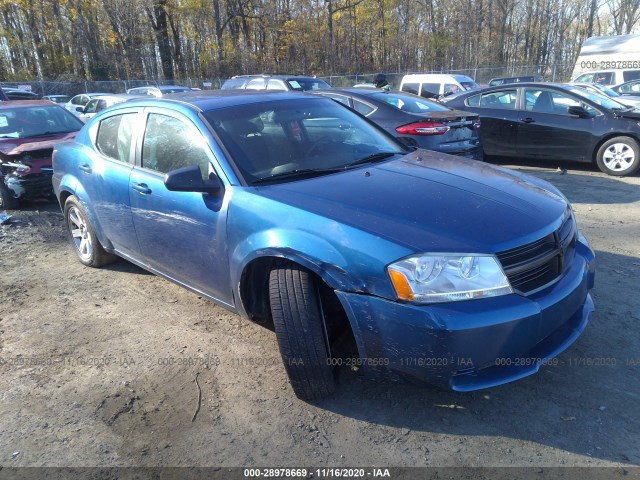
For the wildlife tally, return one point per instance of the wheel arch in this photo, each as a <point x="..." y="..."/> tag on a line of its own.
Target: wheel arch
<point x="253" y="290"/>
<point x="66" y="191"/>
<point x="606" y="138"/>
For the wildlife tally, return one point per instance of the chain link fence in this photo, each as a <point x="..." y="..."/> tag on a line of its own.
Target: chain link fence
<point x="550" y="72"/>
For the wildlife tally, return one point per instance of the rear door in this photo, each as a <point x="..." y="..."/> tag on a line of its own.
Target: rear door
<point x="104" y="175"/>
<point x="181" y="234"/>
<point x="547" y="131"/>
<point x="499" y="120"/>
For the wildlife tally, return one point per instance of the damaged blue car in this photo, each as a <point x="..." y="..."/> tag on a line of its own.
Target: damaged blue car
<point x="292" y="210"/>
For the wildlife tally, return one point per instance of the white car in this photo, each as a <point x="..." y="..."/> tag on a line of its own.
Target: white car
<point x="77" y="103"/>
<point x="158" y="91"/>
<point x="101" y="102"/>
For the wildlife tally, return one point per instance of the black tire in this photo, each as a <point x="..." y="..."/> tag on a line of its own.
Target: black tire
<point x="619" y="156"/>
<point x="83" y="236"/>
<point x="299" y="326"/>
<point x="7" y="200"/>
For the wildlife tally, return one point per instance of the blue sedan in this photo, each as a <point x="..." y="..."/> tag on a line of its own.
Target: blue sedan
<point x="290" y="209"/>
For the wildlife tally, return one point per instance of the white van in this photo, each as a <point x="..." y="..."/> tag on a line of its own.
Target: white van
<point x="608" y="60"/>
<point x="434" y="84"/>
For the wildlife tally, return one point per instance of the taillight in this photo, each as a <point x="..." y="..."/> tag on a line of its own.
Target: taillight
<point x="423" y="128"/>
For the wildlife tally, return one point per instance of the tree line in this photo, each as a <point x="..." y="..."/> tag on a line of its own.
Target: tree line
<point x="178" y="39"/>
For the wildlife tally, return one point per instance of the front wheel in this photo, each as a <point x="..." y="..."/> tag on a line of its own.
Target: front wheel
<point x="83" y="236"/>
<point x="619" y="156"/>
<point x="297" y="317"/>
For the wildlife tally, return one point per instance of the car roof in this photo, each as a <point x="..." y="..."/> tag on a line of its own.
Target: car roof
<point x="204" y="100"/>
<point x="26" y="103"/>
<point x="280" y="76"/>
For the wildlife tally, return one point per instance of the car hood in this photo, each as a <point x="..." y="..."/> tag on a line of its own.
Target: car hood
<point x="432" y="202"/>
<point x="19" y="146"/>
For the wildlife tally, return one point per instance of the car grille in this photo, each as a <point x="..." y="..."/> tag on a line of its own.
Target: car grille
<point x="537" y="264"/>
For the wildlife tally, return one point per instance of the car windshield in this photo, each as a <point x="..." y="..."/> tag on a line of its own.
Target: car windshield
<point x="306" y="84"/>
<point x="598" y="99"/>
<point x="410" y="103"/>
<point x="35" y="121"/>
<point x="469" y="85"/>
<point x="286" y="139"/>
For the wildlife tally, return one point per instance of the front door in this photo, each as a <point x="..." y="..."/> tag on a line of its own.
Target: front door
<point x="181" y="234"/>
<point x="547" y="131"/>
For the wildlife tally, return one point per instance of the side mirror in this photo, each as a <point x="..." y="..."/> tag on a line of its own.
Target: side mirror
<point x="79" y="109"/>
<point x="189" y="179"/>
<point x="579" y="112"/>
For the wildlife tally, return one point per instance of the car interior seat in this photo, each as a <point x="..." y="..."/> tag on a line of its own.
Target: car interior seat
<point x="544" y="103"/>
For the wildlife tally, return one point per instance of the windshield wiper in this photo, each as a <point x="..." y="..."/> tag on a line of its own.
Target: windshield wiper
<point x="303" y="173"/>
<point x="47" y="133"/>
<point x="374" y="157"/>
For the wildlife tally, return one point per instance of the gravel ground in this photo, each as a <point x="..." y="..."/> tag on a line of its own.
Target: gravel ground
<point x="99" y="368"/>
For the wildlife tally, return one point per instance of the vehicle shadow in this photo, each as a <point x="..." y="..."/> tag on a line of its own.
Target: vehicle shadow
<point x="586" y="403"/>
<point x="582" y="183"/>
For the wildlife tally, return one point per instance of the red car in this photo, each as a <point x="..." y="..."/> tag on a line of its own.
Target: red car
<point x="28" y="132"/>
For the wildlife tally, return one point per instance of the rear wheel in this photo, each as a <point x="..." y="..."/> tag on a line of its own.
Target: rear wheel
<point x="619" y="156"/>
<point x="297" y="317"/>
<point x="7" y="200"/>
<point x="83" y="236"/>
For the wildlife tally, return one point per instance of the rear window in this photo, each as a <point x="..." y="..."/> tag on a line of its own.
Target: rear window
<point x="233" y="83"/>
<point x="306" y="84"/>
<point x="410" y="103"/>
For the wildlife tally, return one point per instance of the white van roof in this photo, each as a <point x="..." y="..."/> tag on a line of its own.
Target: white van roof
<point x="434" y="77"/>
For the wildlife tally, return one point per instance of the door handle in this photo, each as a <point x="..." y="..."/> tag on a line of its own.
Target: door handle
<point x="85" y="168"/>
<point x="142" y="188"/>
<point x="527" y="120"/>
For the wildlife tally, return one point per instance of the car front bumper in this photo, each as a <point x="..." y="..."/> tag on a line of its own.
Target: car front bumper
<point x="471" y="345"/>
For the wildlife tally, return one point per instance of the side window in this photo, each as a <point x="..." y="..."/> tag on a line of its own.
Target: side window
<point x="340" y="99"/>
<point x="450" y="88"/>
<point x="114" y="137"/>
<point x="503" y="99"/>
<point x="430" y="90"/>
<point x="275" y="84"/>
<point x="361" y="107"/>
<point x="255" y="84"/>
<point x="411" y="88"/>
<point x="102" y="104"/>
<point x="91" y="106"/>
<point x="630" y="88"/>
<point x="77" y="100"/>
<point x="170" y="144"/>
<point x="604" y="77"/>
<point x="546" y="101"/>
<point x="473" y="101"/>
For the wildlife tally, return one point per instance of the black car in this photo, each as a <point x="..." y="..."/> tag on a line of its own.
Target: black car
<point x="494" y="82"/>
<point x="417" y="121"/>
<point x="555" y="122"/>
<point x="285" y="83"/>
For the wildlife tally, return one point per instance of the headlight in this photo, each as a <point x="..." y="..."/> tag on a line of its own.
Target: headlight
<point x="448" y="278"/>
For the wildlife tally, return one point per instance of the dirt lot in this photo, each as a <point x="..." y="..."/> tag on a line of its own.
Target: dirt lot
<point x="99" y="367"/>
